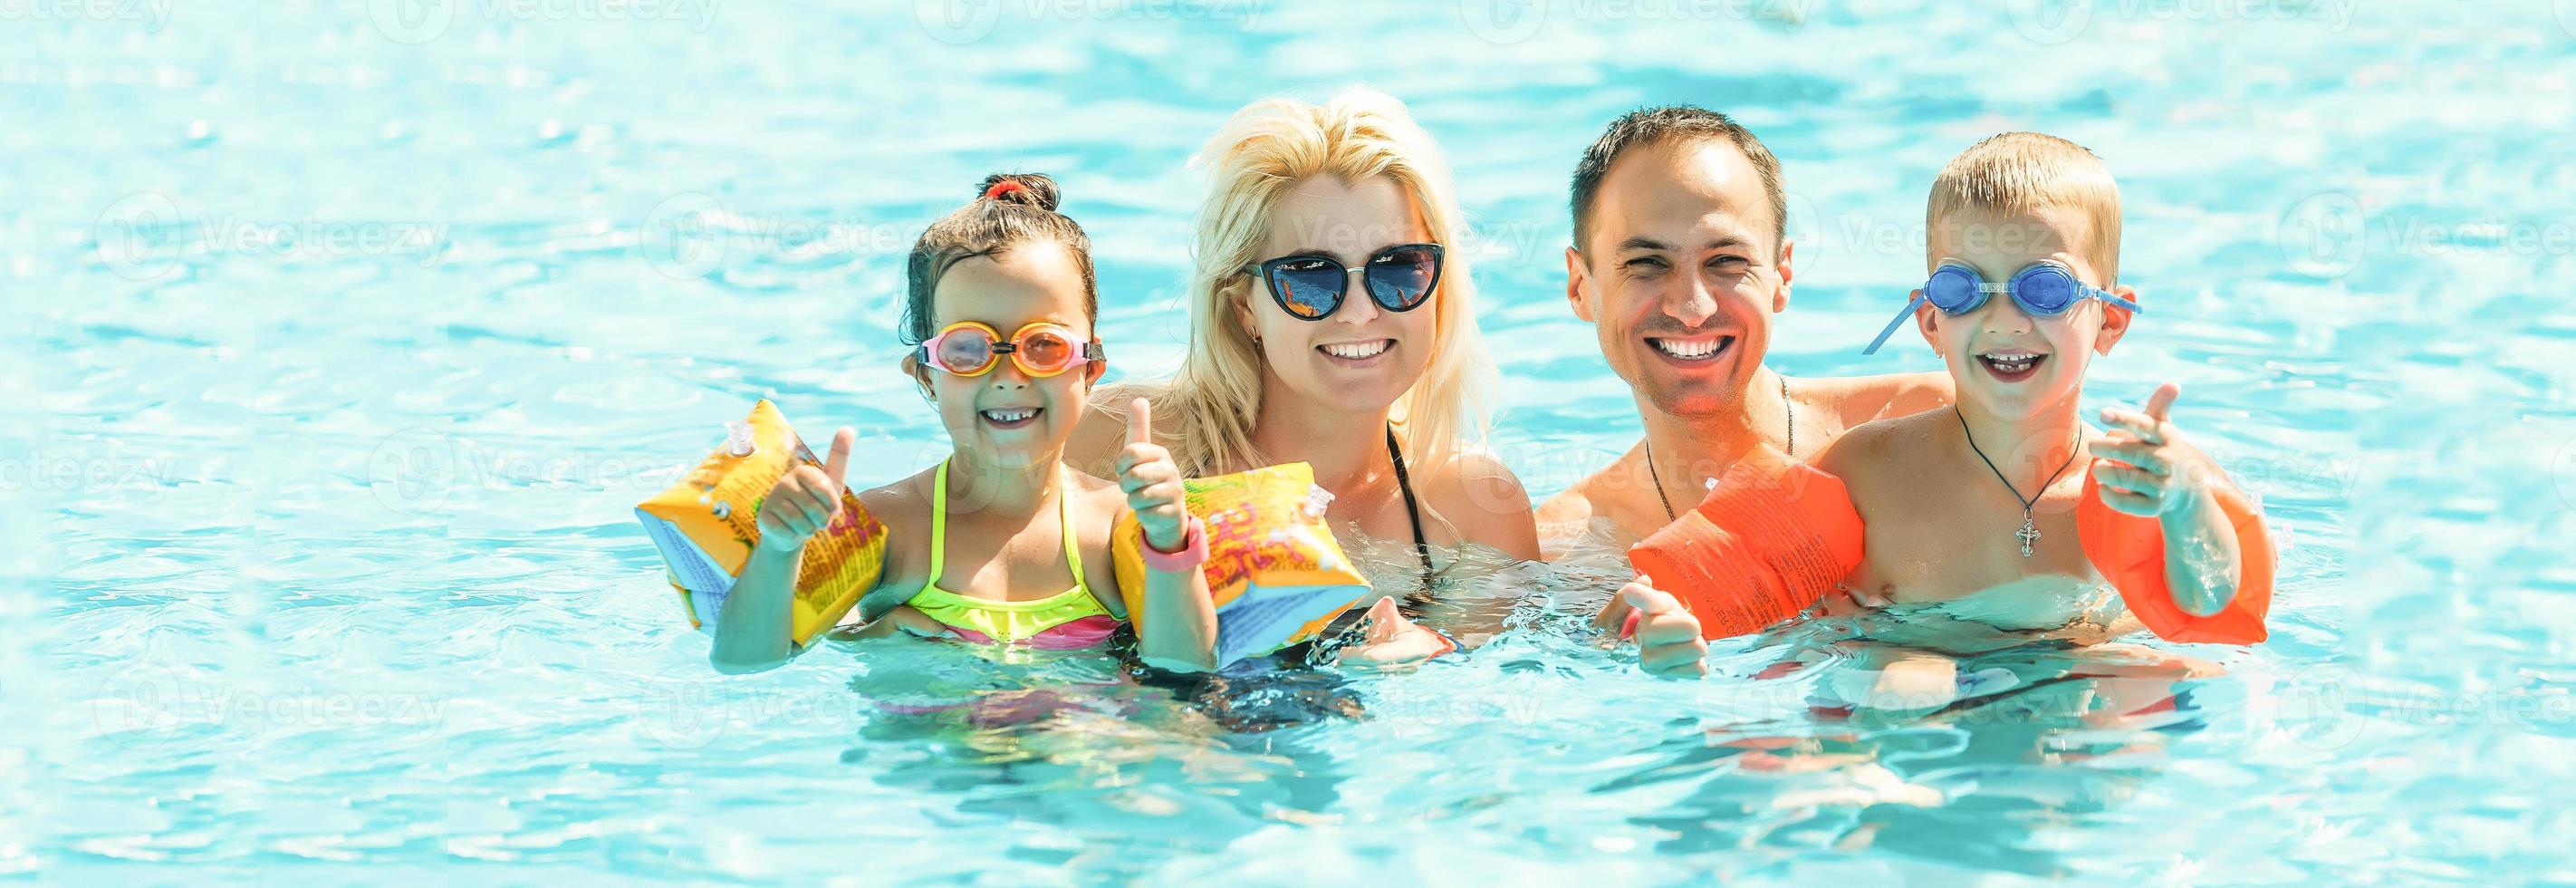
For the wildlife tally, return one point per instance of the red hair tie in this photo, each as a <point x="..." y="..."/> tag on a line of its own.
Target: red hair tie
<point x="1003" y="187"/>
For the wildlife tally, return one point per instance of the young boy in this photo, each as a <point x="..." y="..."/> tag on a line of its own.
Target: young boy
<point x="2007" y="510"/>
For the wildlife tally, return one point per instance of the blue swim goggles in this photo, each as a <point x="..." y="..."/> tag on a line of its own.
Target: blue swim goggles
<point x="2046" y="289"/>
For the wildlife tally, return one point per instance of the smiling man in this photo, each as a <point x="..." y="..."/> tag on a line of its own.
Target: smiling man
<point x="1680" y="258"/>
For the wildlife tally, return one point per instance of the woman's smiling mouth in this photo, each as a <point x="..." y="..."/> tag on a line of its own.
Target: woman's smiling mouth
<point x="1356" y="353"/>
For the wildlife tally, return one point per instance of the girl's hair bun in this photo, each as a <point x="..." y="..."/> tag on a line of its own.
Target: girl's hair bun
<point x="1027" y="189"/>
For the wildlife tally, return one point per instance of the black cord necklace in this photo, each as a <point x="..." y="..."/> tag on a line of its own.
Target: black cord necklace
<point x="2029" y="532"/>
<point x="1789" y="422"/>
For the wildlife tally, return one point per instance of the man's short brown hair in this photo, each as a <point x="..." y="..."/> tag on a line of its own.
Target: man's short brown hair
<point x="1655" y="126"/>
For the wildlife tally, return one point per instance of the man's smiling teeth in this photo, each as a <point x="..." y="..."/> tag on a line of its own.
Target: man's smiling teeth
<point x="2011" y="361"/>
<point x="1691" y="349"/>
<point x="1357" y="350"/>
<point x="1010" y="414"/>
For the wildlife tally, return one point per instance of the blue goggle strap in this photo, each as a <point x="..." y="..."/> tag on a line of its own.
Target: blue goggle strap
<point x="2107" y="296"/>
<point x="1892" y="324"/>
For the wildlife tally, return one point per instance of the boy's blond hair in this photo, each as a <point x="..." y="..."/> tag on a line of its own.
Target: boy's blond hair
<point x="2020" y="172"/>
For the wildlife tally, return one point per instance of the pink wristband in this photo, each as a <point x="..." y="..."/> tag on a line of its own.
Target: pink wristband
<point x="1193" y="551"/>
<point x="1628" y="630"/>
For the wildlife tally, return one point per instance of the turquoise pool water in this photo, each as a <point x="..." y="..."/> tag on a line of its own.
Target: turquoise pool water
<point x="346" y="335"/>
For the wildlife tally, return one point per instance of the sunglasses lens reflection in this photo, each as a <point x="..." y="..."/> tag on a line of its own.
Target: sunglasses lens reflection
<point x="1401" y="279"/>
<point x="1308" y="288"/>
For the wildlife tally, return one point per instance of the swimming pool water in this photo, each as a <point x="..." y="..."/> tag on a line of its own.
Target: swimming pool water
<point x="346" y="335"/>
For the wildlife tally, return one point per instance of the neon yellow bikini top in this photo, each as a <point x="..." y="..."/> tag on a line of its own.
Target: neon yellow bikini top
<point x="1073" y="618"/>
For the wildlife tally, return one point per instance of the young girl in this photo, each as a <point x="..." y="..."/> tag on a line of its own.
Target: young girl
<point x="999" y="543"/>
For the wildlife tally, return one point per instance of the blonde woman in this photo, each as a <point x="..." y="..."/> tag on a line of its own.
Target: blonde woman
<point x="1332" y="323"/>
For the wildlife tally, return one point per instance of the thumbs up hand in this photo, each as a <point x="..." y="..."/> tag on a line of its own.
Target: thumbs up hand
<point x="2144" y="465"/>
<point x="806" y="499"/>
<point x="1152" y="482"/>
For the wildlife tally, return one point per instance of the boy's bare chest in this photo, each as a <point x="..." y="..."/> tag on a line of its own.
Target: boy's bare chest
<point x="1942" y="533"/>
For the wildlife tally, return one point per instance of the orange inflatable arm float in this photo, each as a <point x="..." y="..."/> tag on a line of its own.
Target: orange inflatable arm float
<point x="1770" y="540"/>
<point x="2129" y="550"/>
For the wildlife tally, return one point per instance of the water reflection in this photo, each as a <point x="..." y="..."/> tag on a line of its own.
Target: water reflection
<point x="1841" y="731"/>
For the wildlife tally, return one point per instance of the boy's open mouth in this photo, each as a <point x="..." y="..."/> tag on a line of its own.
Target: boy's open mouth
<point x="2012" y="365"/>
<point x="1691" y="349"/>
<point x="1011" y="417"/>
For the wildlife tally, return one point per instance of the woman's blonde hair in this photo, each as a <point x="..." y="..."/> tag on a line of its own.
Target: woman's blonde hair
<point x="1251" y="163"/>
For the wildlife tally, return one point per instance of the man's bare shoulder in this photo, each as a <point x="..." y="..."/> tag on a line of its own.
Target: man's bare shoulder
<point x="1862" y="399"/>
<point x="1608" y="507"/>
<point x="1596" y="496"/>
<point x="1572" y="505"/>
<point x="1571" y="522"/>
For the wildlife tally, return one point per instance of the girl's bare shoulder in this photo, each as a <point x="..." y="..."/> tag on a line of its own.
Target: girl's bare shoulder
<point x="904" y="508"/>
<point x="905" y="501"/>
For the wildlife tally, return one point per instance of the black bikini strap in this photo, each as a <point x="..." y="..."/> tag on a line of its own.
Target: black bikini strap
<point x="1412" y="509"/>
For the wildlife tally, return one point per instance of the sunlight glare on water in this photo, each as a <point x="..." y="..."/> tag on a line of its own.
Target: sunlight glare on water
<point x="349" y="338"/>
